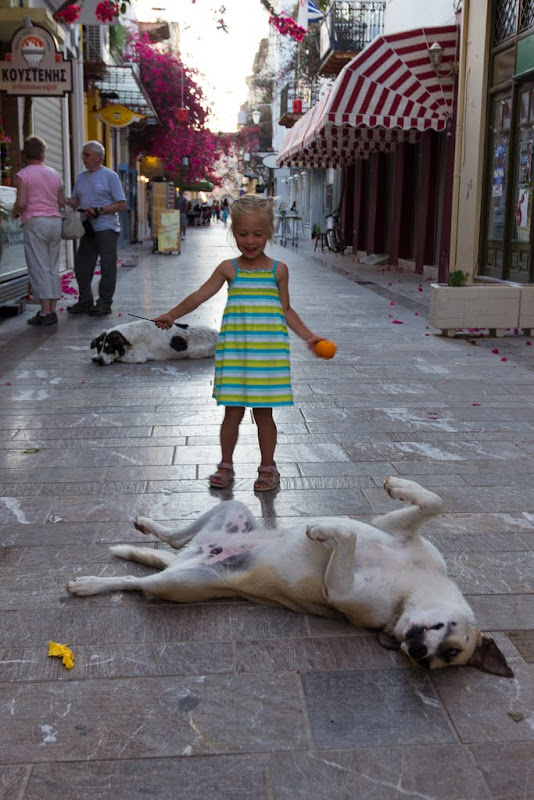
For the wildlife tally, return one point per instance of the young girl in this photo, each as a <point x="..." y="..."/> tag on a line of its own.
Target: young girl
<point x="252" y="366"/>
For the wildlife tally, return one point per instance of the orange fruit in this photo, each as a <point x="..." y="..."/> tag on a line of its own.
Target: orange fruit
<point x="325" y="349"/>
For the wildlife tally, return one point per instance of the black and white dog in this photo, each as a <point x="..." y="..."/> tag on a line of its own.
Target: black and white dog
<point x="383" y="576"/>
<point x="141" y="341"/>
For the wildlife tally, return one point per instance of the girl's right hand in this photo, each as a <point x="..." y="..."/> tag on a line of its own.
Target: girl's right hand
<point x="164" y="321"/>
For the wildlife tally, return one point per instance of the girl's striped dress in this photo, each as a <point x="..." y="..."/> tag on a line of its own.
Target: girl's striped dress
<point x="252" y="356"/>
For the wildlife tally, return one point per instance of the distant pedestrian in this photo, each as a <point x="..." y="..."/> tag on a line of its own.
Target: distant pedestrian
<point x="183" y="207"/>
<point x="98" y="191"/>
<point x="39" y="200"/>
<point x="252" y="367"/>
<point x="225" y="209"/>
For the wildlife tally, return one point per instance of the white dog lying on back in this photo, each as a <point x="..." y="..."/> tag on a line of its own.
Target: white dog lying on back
<point x="384" y="576"/>
<point x="141" y="341"/>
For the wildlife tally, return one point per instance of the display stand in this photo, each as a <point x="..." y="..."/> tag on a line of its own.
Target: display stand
<point x="165" y="228"/>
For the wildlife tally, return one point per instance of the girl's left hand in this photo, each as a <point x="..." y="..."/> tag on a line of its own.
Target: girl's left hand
<point x="312" y="341"/>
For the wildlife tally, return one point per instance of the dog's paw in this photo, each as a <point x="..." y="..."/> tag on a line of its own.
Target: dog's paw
<point x="411" y="492"/>
<point x="83" y="586"/>
<point x="144" y="525"/>
<point x="323" y="533"/>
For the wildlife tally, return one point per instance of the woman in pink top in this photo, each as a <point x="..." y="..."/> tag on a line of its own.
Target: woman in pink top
<point x="39" y="199"/>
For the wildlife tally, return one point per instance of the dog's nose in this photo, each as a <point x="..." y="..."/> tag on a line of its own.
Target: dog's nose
<point x="97" y="360"/>
<point x="415" y="638"/>
<point x="417" y="650"/>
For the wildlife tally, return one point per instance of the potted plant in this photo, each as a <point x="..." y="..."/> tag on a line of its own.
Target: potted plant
<point x="461" y="304"/>
<point x="315" y="231"/>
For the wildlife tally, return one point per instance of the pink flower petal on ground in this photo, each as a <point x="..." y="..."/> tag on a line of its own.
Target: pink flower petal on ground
<point x="528" y="344"/>
<point x="392" y="303"/>
<point x="420" y="289"/>
<point x="82" y="381"/>
<point x="7" y="384"/>
<point x="496" y="351"/>
<point x="504" y="359"/>
<point x="475" y="404"/>
<point x="397" y="322"/>
<point x="416" y="313"/>
<point x="427" y="334"/>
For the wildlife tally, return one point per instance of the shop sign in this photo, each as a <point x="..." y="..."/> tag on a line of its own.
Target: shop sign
<point x="118" y="116"/>
<point x="34" y="66"/>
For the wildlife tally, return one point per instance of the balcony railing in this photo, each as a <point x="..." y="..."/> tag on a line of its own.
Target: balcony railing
<point x="348" y="27"/>
<point x="295" y="100"/>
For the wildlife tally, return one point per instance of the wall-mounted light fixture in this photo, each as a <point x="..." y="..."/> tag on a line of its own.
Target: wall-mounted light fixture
<point x="256" y="116"/>
<point x="435" y="54"/>
<point x="185" y="161"/>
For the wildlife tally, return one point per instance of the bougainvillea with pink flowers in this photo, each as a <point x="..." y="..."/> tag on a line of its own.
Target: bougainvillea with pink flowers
<point x="69" y="15"/>
<point x="171" y="86"/>
<point x="106" y="11"/>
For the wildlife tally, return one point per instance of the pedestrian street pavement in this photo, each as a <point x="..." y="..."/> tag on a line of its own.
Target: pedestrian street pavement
<point x="227" y="700"/>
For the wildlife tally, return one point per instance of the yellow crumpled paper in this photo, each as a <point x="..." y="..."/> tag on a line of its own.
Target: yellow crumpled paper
<point x="63" y="652"/>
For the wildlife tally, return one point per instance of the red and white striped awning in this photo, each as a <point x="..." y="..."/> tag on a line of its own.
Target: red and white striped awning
<point x="387" y="94"/>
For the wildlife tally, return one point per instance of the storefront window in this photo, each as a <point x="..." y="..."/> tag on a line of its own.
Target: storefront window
<point x="500" y="142"/>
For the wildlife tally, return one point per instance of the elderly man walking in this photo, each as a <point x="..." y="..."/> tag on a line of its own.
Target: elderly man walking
<point x="98" y="192"/>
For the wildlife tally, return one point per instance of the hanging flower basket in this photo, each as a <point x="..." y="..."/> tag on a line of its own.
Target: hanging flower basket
<point x="182" y="114"/>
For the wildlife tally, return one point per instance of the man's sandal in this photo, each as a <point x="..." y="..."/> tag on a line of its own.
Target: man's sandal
<point x="268" y="483"/>
<point x="220" y="479"/>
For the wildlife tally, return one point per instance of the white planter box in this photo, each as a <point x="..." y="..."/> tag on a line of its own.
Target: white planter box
<point x="493" y="306"/>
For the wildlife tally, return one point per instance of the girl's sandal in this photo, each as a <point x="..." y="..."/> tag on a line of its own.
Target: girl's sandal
<point x="222" y="480"/>
<point x="268" y="482"/>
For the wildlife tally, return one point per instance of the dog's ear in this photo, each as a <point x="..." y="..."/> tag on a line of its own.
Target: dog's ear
<point x="96" y="343"/>
<point x="489" y="658"/>
<point x="387" y="641"/>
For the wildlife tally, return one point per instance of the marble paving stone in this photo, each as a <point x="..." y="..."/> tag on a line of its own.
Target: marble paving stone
<point x="92" y="622"/>
<point x="93" y="456"/>
<point x="378" y="773"/>
<point x="467" y="542"/>
<point x="508" y="769"/>
<point x="364" y="708"/>
<point x="467" y="467"/>
<point x="444" y="451"/>
<point x="118" y="661"/>
<point x="100" y="442"/>
<point x="231" y="777"/>
<point x="485" y="708"/>
<point x="60" y="534"/>
<point x="523" y="641"/>
<point x="72" y="488"/>
<point x="249" y="453"/>
<point x="124" y="719"/>
<point x="28" y="510"/>
<point x="507" y="499"/>
<point x="343" y="468"/>
<point x="355" y="652"/>
<point x="13" y="781"/>
<point x="493" y="573"/>
<point x="503" y="612"/>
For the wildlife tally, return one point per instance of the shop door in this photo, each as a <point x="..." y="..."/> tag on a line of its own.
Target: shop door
<point x="521" y="267"/>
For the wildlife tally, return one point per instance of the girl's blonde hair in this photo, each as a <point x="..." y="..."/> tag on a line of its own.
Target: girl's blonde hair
<point x="252" y="204"/>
